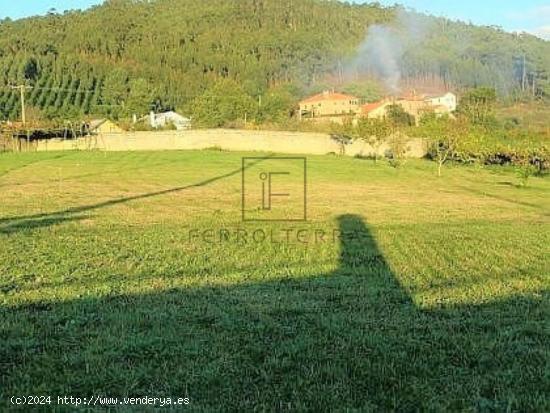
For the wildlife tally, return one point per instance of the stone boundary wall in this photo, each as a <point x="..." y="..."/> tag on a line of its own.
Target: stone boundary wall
<point x="225" y="139"/>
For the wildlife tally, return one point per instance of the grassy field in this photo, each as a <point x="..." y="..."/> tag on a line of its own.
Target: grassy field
<point x="531" y="116"/>
<point x="121" y="275"/>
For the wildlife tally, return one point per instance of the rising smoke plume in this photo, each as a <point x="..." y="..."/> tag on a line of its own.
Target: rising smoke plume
<point x="381" y="52"/>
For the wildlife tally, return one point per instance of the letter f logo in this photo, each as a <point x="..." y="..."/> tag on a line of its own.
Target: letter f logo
<point x="267" y="189"/>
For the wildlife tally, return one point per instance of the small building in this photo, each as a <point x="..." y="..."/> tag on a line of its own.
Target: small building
<point x="448" y="101"/>
<point x="415" y="105"/>
<point x="160" y="120"/>
<point x="329" y="105"/>
<point x="376" y="110"/>
<point x="100" y="126"/>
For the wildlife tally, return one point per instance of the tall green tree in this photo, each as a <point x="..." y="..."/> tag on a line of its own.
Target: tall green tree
<point x="223" y="102"/>
<point x="397" y="116"/>
<point x="478" y="105"/>
<point x="140" y="98"/>
<point x="276" y="105"/>
<point x="375" y="132"/>
<point x="445" y="137"/>
<point x="115" y="92"/>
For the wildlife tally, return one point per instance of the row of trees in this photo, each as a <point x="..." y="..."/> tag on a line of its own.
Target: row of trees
<point x="462" y="141"/>
<point x="471" y="135"/>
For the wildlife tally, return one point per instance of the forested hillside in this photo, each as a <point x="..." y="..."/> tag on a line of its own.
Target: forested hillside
<point x="128" y="56"/>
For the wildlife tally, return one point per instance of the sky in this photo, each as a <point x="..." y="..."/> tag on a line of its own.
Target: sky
<point x="16" y="9"/>
<point x="532" y="16"/>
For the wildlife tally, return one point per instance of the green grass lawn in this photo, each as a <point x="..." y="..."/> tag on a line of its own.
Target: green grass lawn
<point x="434" y="296"/>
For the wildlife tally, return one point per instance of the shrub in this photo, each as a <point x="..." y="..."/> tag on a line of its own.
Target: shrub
<point x="524" y="172"/>
<point x="398" y="149"/>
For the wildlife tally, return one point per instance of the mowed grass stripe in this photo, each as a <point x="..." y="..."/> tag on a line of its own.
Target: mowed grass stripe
<point x="441" y="305"/>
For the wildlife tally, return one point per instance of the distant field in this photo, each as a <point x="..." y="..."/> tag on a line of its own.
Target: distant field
<point x="439" y="303"/>
<point x="532" y="116"/>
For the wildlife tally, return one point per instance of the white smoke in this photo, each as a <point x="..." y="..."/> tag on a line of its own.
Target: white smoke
<point x="381" y="52"/>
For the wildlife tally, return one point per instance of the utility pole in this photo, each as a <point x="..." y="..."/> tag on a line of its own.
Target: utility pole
<point x="22" y="89"/>
<point x="524" y="75"/>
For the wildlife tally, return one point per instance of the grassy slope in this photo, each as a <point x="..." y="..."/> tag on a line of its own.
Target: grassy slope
<point x="443" y="304"/>
<point x="532" y="116"/>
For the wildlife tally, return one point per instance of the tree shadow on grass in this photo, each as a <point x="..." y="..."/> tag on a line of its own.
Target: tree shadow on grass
<point x="30" y="162"/>
<point x="41" y="222"/>
<point x="11" y="225"/>
<point x="350" y="340"/>
<point x="108" y="172"/>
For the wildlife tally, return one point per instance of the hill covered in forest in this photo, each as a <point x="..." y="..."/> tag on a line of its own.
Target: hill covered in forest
<point x="129" y="56"/>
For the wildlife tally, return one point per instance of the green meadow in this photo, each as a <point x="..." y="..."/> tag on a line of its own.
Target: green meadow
<point x="133" y="274"/>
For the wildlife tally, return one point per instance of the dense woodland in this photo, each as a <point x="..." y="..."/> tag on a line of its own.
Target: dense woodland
<point x="253" y="56"/>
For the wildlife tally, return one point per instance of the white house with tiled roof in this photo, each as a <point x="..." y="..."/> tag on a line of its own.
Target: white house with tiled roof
<point x="447" y="101"/>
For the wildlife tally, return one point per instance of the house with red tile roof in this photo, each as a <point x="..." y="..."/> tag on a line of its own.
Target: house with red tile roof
<point x="415" y="105"/>
<point x="328" y="105"/>
<point x="332" y="106"/>
<point x="376" y="110"/>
